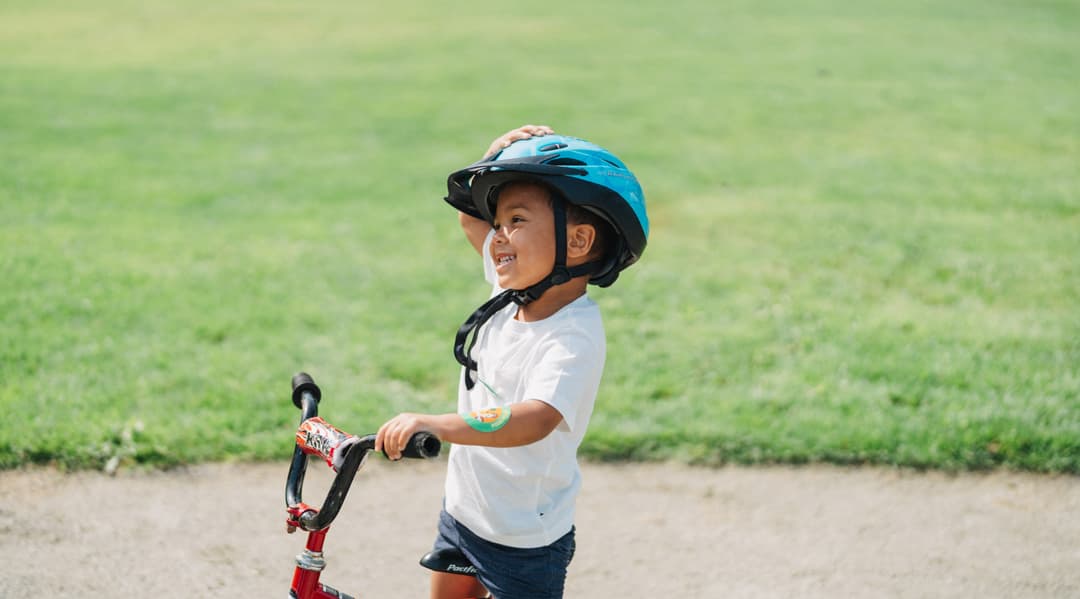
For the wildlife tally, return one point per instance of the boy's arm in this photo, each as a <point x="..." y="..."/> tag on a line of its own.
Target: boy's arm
<point x="476" y="230"/>
<point x="530" y="421"/>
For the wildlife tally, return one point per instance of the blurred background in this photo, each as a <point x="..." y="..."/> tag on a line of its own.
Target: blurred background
<point x="865" y="238"/>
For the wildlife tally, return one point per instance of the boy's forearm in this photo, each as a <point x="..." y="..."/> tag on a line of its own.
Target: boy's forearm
<point x="530" y="422"/>
<point x="476" y="230"/>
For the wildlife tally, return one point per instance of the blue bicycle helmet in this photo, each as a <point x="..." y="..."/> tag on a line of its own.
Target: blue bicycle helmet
<point x="578" y="172"/>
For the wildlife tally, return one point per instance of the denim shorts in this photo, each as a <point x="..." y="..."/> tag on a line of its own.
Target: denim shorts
<point x="510" y="572"/>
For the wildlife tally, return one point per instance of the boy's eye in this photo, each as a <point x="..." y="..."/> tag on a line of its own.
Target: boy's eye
<point x="513" y="220"/>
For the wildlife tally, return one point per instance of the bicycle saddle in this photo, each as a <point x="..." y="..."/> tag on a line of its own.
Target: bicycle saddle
<point x="448" y="560"/>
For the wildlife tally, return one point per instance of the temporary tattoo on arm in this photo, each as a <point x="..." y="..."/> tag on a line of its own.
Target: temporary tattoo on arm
<point x="488" y="420"/>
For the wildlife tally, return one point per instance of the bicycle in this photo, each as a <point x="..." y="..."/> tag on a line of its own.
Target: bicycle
<point x="346" y="454"/>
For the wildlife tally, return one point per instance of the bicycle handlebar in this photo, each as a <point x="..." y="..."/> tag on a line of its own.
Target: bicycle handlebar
<point x="306" y="395"/>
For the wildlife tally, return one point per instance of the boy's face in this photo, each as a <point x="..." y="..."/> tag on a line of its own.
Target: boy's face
<point x="524" y="243"/>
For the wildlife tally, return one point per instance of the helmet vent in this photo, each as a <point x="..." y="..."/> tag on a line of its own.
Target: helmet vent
<point x="552" y="147"/>
<point x="566" y="161"/>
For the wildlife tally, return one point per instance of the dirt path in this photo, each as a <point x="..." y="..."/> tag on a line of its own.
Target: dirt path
<point x="643" y="530"/>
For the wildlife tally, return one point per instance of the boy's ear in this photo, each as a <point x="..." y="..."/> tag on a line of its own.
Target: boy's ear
<point x="579" y="240"/>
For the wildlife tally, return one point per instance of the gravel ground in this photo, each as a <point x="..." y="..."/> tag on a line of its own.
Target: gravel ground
<point x="643" y="530"/>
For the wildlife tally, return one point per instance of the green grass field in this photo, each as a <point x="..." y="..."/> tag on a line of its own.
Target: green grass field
<point x="865" y="222"/>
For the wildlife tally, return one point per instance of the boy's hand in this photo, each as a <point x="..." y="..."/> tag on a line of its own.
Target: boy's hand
<point x="522" y="132"/>
<point x="394" y="435"/>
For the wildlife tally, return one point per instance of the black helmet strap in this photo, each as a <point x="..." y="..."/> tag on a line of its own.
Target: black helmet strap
<point x="559" y="274"/>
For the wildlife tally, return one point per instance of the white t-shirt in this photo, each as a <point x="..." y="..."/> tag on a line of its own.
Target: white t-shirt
<point x="524" y="496"/>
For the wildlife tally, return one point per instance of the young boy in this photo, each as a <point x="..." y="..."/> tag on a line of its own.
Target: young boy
<point x="549" y="214"/>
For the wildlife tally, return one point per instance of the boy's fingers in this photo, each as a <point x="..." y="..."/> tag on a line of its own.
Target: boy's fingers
<point x="522" y="132"/>
<point x="403" y="441"/>
<point x="393" y="446"/>
<point x="384" y="438"/>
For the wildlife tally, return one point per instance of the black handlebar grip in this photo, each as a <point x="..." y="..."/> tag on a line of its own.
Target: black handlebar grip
<point x="301" y="383"/>
<point x="422" y="445"/>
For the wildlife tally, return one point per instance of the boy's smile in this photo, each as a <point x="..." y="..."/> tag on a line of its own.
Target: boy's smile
<point x="523" y="247"/>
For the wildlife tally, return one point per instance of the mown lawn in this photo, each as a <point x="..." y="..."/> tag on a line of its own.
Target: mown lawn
<point x="865" y="222"/>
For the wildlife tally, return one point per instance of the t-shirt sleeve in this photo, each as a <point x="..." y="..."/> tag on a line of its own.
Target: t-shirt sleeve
<point x="568" y="378"/>
<point x="489" y="263"/>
